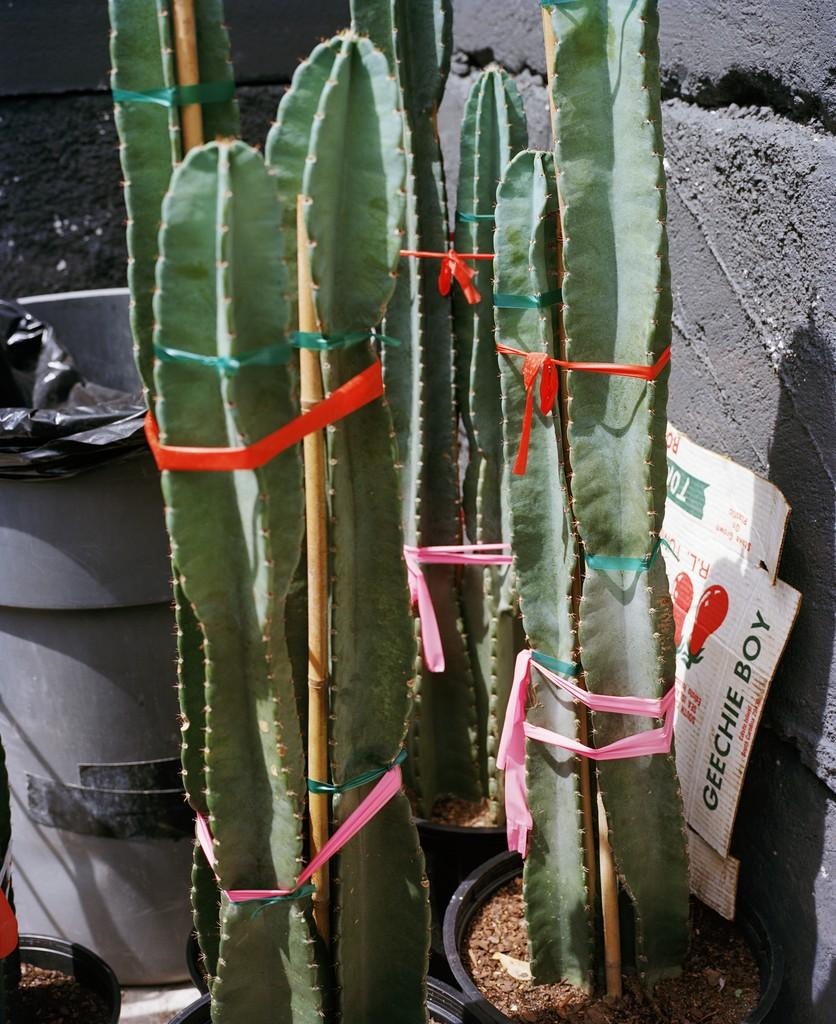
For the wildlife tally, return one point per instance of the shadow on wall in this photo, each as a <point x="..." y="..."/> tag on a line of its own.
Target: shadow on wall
<point x="786" y="833"/>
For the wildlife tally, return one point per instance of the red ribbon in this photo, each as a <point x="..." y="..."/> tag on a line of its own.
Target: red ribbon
<point x="539" y="363"/>
<point x="359" y="391"/>
<point x="454" y="268"/>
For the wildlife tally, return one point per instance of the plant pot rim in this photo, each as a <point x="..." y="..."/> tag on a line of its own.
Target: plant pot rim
<point x="77" y="956"/>
<point x="440" y="997"/>
<point x="482" y="883"/>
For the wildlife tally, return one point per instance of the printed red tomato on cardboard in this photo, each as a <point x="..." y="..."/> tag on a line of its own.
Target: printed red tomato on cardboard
<point x="683" y="596"/>
<point x="711" y="613"/>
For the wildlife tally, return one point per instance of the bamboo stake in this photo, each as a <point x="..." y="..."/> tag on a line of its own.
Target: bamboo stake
<point x="583" y="715"/>
<point x="317" y="551"/>
<point x="188" y="72"/>
<point x="609" y="903"/>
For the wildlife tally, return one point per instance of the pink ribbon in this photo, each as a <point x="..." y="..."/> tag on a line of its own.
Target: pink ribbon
<point x="515" y="731"/>
<point x="382" y="793"/>
<point x="453" y="554"/>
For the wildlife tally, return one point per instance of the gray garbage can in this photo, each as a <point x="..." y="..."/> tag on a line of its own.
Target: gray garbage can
<point x="88" y="708"/>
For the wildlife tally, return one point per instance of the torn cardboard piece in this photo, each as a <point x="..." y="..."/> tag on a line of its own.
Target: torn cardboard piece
<point x="732" y="615"/>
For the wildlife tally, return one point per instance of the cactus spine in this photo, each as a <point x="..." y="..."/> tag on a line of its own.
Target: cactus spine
<point x="493" y="132"/>
<point x="381" y="899"/>
<point x="420" y="389"/>
<point x="545" y="555"/>
<point x="235" y="542"/>
<point x="617" y="309"/>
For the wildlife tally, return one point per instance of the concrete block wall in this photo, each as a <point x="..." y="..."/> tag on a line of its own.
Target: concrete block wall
<point x="749" y="115"/>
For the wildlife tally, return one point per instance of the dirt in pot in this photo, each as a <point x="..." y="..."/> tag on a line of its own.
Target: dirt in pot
<point x="52" y="997"/>
<point x="719" y="984"/>
<point x="451" y="811"/>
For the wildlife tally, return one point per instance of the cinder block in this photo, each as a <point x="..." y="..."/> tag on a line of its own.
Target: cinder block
<point x="776" y="53"/>
<point x="752" y="229"/>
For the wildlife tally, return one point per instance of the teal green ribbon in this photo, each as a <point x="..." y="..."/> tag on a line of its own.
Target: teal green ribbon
<point x="540" y="301"/>
<point x="299" y="894"/>
<point x="562" y="668"/>
<point x="327" y="343"/>
<point x="179" y="95"/>
<point x="270" y="355"/>
<point x="473" y="218"/>
<point x="627" y="563"/>
<point x="361" y="780"/>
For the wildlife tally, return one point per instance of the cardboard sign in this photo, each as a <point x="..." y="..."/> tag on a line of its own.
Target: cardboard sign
<point x="732" y="615"/>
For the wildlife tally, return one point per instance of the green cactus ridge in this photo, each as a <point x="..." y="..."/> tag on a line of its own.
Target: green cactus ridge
<point x="493" y="132"/>
<point x="545" y="557"/>
<point x="221" y="292"/>
<point x="380" y="898"/>
<point x="419" y="385"/>
<point x="618" y="309"/>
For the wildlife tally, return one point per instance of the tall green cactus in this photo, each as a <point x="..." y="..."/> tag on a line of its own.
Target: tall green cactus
<point x="493" y="131"/>
<point x="142" y="56"/>
<point x="235" y="542"/>
<point x="420" y="389"/>
<point x="618" y="309"/>
<point x="354" y="224"/>
<point x="545" y="558"/>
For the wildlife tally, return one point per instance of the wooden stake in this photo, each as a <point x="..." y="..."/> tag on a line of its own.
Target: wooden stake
<point x="609" y="904"/>
<point x="188" y="72"/>
<point x="317" y="551"/>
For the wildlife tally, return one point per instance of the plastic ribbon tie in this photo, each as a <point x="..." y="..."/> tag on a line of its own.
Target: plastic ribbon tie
<point x="454" y="268"/>
<point x="351" y="396"/>
<point x="453" y="554"/>
<point x="270" y="355"/>
<point x="359" y="780"/>
<point x="540" y="300"/>
<point x="328" y="342"/>
<point x="8" y="921"/>
<point x="474" y="218"/>
<point x="382" y="793"/>
<point x="515" y="732"/>
<point x="541" y="363"/>
<point x="628" y="563"/>
<point x="179" y="95"/>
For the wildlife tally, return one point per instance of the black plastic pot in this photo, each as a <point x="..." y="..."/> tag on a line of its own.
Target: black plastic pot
<point x="89" y="970"/>
<point x="478" y="888"/>
<point x="445" y="1004"/>
<point x="452" y="852"/>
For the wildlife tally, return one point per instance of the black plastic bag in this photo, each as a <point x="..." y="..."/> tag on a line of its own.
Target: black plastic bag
<point x="53" y="422"/>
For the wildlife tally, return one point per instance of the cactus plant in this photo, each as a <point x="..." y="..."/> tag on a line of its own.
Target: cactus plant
<point x="222" y="254"/>
<point x="144" y="82"/>
<point x="616" y="311"/>
<point x="380" y="893"/>
<point x="545" y="557"/>
<point x="493" y="131"/>
<point x="220" y="246"/>
<point x="420" y="388"/>
<point x="618" y="308"/>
